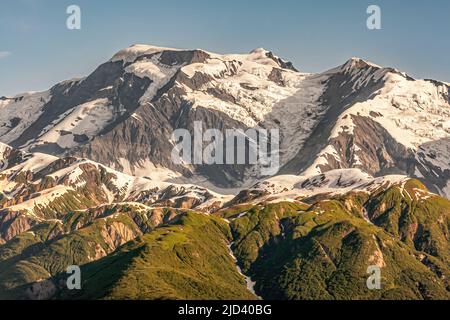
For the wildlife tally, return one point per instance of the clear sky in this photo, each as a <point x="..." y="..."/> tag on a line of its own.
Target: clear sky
<point x="37" y="50"/>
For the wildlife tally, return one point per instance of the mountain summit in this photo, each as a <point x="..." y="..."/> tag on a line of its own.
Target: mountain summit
<point x="359" y="115"/>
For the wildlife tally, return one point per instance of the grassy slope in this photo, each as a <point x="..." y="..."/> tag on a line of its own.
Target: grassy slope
<point x="79" y="238"/>
<point x="319" y="250"/>
<point x="326" y="249"/>
<point x="186" y="260"/>
<point x="43" y="259"/>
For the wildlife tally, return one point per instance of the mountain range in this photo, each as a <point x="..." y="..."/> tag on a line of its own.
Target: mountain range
<point x="87" y="178"/>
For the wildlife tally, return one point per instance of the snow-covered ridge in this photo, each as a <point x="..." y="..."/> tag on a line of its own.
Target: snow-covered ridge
<point x="19" y="112"/>
<point x="332" y="183"/>
<point x="85" y="120"/>
<point x="245" y="77"/>
<point x="259" y="55"/>
<point x="413" y="112"/>
<point x="71" y="174"/>
<point x="131" y="53"/>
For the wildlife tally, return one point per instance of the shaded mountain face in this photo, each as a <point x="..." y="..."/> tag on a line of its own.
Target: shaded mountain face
<point x="87" y="178"/>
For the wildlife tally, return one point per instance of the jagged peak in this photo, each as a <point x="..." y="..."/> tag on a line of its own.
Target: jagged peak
<point x="284" y="64"/>
<point x="259" y="50"/>
<point x="358" y="63"/>
<point x="439" y="83"/>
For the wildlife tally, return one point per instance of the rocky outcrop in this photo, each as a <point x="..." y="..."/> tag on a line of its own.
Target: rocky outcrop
<point x="14" y="223"/>
<point x="117" y="234"/>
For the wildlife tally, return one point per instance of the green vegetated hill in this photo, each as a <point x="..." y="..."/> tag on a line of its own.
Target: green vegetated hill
<point x="322" y="250"/>
<point x="319" y="248"/>
<point x="188" y="259"/>
<point x="29" y="261"/>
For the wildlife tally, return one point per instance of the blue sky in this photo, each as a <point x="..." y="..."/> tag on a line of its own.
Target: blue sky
<point x="37" y="50"/>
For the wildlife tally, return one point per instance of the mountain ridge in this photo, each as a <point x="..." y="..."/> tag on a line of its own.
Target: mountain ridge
<point x="175" y="87"/>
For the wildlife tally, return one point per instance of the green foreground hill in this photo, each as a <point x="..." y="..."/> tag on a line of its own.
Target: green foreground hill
<point x="316" y="248"/>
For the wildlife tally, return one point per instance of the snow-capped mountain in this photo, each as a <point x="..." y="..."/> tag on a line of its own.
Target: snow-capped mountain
<point x="124" y="113"/>
<point x="400" y="125"/>
<point x="358" y="115"/>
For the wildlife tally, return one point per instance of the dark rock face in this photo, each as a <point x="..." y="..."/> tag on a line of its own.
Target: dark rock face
<point x="378" y="153"/>
<point x="277" y="76"/>
<point x="13" y="223"/>
<point x="246" y="196"/>
<point x="171" y="58"/>
<point x="150" y="137"/>
<point x="10" y="158"/>
<point x="15" y="122"/>
<point x="435" y="177"/>
<point x="49" y="148"/>
<point x="283" y="64"/>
